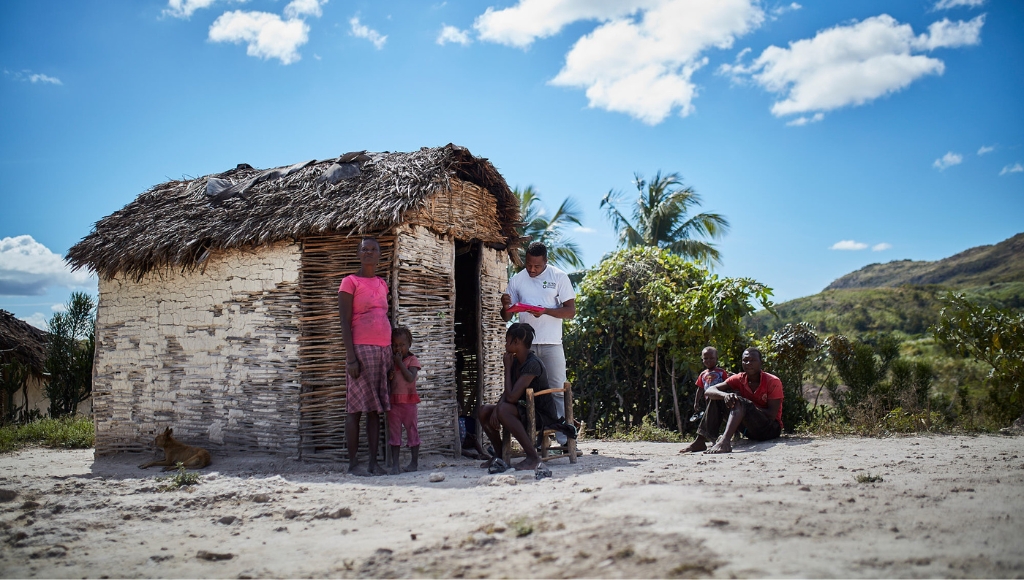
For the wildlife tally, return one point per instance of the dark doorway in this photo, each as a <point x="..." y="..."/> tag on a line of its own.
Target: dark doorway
<point x="468" y="340"/>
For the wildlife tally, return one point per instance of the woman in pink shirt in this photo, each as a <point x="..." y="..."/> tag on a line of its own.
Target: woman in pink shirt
<point x="366" y="331"/>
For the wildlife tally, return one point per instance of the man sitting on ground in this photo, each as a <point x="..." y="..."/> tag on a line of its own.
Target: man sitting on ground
<point x="751" y="400"/>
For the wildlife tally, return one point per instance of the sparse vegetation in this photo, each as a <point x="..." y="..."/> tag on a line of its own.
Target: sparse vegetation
<point x="66" y="433"/>
<point x="521" y="526"/>
<point x="868" y="478"/>
<point x="181" y="478"/>
<point x="646" y="431"/>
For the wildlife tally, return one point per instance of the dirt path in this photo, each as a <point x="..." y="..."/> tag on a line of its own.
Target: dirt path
<point x="947" y="506"/>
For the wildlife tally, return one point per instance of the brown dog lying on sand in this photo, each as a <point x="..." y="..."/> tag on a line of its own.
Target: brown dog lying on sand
<point x="176" y="452"/>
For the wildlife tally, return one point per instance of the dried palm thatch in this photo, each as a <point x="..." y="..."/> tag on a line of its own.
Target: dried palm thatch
<point x="22" y="342"/>
<point x="177" y="224"/>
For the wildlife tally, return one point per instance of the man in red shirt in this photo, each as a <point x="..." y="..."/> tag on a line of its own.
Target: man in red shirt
<point x="751" y="400"/>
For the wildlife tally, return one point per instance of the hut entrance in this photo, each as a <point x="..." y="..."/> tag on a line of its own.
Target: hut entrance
<point x="468" y="338"/>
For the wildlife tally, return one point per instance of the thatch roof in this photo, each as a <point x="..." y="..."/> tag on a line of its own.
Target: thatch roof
<point x="22" y="342"/>
<point x="179" y="223"/>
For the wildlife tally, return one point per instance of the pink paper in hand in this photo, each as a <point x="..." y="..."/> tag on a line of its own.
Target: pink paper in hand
<point x="521" y="307"/>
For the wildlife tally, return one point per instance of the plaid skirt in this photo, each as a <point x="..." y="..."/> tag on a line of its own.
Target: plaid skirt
<point x="369" y="392"/>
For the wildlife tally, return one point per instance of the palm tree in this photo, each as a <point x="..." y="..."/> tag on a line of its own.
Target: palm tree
<point x="538" y="227"/>
<point x="661" y="218"/>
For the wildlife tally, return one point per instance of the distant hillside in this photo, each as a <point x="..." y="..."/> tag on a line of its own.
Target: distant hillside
<point x="904" y="295"/>
<point x="854" y="311"/>
<point x="983" y="265"/>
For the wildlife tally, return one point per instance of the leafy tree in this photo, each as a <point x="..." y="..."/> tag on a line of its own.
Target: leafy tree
<point x="642" y="317"/>
<point x="539" y="227"/>
<point x="994" y="336"/>
<point x="661" y="218"/>
<point x="69" y="355"/>
<point x="786" y="353"/>
<point x="13" y="377"/>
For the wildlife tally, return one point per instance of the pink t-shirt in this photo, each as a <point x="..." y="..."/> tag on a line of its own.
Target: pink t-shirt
<point x="403" y="391"/>
<point x="370" y="324"/>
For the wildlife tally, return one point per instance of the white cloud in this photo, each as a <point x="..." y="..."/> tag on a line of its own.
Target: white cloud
<point x="881" y="247"/>
<point x="29" y="76"/>
<point x="780" y="10"/>
<point x="986" y="149"/>
<point x="266" y="35"/>
<point x="801" y="121"/>
<point x="28" y="268"/>
<point x="947" y="4"/>
<point x="362" y="31"/>
<point x="37" y="320"/>
<point x="848" y="245"/>
<point x="947" y="34"/>
<point x="451" y="34"/>
<point x="642" y="65"/>
<point x="59" y="307"/>
<point x="948" y="160"/>
<point x="185" y="8"/>
<point x="301" y="8"/>
<point x="584" y="230"/>
<point x="853" y="64"/>
<point x="1015" y="168"/>
<point x="529" y="20"/>
<point x="41" y="78"/>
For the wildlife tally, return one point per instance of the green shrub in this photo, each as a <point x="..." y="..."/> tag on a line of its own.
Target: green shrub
<point x="65" y="433"/>
<point x="647" y="431"/>
<point x="181" y="478"/>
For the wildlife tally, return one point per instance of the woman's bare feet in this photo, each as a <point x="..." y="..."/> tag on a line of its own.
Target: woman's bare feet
<point x="356" y="469"/>
<point x="411" y="467"/>
<point x="376" y="469"/>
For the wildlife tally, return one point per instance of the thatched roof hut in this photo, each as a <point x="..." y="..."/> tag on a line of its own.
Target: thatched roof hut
<point x="25" y="344"/>
<point x="218" y="297"/>
<point x="22" y="342"/>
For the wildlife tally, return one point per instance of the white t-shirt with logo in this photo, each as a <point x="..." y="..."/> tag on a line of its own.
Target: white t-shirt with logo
<point x="550" y="289"/>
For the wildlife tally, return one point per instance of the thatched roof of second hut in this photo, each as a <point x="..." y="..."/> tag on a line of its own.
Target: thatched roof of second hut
<point x="179" y="223"/>
<point x="22" y="342"/>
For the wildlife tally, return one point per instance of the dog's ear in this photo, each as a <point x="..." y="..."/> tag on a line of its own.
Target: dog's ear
<point x="167" y="430"/>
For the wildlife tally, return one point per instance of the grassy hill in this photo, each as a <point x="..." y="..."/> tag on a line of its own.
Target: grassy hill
<point x="1002" y="262"/>
<point x="904" y="295"/>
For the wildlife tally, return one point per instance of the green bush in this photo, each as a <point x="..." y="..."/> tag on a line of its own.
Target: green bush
<point x="647" y="431"/>
<point x="65" y="433"/>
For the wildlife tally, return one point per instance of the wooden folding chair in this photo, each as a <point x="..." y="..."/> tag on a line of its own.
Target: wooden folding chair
<point x="568" y="450"/>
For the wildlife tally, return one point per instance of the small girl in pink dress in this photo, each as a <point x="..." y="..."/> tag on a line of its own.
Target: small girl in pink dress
<point x="404" y="401"/>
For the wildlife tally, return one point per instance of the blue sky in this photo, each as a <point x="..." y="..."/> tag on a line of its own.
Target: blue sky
<point x="831" y="134"/>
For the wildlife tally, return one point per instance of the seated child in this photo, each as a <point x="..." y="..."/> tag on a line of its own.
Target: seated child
<point x="404" y="401"/>
<point x="523" y="369"/>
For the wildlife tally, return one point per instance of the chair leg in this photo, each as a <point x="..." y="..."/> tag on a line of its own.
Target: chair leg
<point x="506" y="446"/>
<point x="570" y="420"/>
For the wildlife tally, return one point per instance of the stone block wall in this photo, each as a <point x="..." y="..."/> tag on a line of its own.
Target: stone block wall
<point x="212" y="353"/>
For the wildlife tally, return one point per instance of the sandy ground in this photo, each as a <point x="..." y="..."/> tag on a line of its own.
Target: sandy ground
<point x="947" y="506"/>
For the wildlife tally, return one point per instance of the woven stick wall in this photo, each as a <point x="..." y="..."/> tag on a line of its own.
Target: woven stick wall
<point x="466" y="212"/>
<point x="426" y="305"/>
<point x="325" y="261"/>
<point x="493" y="281"/>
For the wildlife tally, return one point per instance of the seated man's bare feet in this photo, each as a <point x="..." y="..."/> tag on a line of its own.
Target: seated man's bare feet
<point x="722" y="446"/>
<point x="488" y="463"/>
<point x="695" y="447"/>
<point x="527" y="464"/>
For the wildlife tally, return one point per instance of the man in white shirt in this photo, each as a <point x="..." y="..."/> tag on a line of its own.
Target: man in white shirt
<point x="540" y="284"/>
